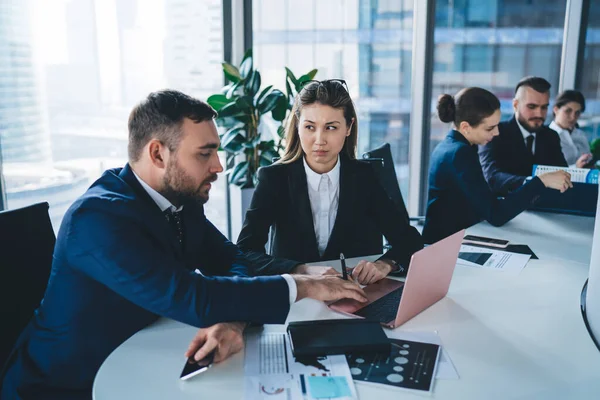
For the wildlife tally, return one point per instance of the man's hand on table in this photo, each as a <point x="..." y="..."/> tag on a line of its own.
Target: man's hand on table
<point x="227" y="338"/>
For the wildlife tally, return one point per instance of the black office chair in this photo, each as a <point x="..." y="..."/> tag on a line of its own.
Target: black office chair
<point x="26" y="246"/>
<point x="584" y="314"/>
<point x="383" y="165"/>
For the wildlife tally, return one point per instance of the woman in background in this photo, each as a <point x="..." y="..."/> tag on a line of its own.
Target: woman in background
<point x="319" y="201"/>
<point x="568" y="107"/>
<point x="459" y="195"/>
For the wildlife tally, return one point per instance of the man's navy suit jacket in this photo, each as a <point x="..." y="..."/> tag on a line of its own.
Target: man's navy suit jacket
<point x="117" y="267"/>
<point x="506" y="162"/>
<point x="459" y="196"/>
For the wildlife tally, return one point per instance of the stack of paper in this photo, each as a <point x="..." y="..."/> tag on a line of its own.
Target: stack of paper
<point x="272" y="372"/>
<point x="579" y="175"/>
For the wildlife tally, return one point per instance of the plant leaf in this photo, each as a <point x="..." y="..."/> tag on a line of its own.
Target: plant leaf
<point x="238" y="174"/>
<point x="266" y="157"/>
<point x="253" y="84"/>
<point x="231" y="72"/>
<point x="229" y="110"/>
<point x="227" y="122"/>
<point x="291" y="76"/>
<point x="247" y="54"/>
<point x="236" y="130"/>
<point x="270" y="101"/>
<point x="233" y="143"/>
<point x="266" y="145"/>
<point x="245" y="104"/>
<point x="304" y="78"/>
<point x="263" y="93"/>
<point x="217" y="101"/>
<point x="281" y="131"/>
<point x="246" y="67"/>
<point x="226" y="88"/>
<point x="252" y="143"/>
<point x="231" y="92"/>
<point x="264" y="162"/>
<point x="280" y="110"/>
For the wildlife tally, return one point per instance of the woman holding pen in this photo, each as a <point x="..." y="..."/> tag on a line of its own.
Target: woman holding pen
<point x="319" y="201"/>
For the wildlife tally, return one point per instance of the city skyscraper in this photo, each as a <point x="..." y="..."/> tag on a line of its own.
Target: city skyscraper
<point x="193" y="47"/>
<point x="24" y="132"/>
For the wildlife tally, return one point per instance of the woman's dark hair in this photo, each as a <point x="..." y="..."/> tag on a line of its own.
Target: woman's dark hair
<point x="330" y="93"/>
<point x="471" y="105"/>
<point x="568" y="96"/>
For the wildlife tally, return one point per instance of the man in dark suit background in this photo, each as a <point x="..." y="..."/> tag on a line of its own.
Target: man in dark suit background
<point x="137" y="246"/>
<point x="524" y="140"/>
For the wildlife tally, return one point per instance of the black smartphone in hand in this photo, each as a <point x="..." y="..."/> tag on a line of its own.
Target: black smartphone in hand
<point x="193" y="367"/>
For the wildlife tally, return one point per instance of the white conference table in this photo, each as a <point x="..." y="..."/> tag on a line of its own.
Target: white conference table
<point x="509" y="337"/>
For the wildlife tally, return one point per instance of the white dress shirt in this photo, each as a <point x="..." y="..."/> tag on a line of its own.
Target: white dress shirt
<point x="324" y="195"/>
<point x="526" y="134"/>
<point x="165" y="204"/>
<point x="573" y="144"/>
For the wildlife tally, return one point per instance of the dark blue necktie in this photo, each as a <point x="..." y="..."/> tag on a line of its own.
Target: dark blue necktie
<point x="175" y="219"/>
<point x="529" y="141"/>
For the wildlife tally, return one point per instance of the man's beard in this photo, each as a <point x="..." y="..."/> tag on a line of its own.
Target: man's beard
<point x="179" y="189"/>
<point x="525" y="124"/>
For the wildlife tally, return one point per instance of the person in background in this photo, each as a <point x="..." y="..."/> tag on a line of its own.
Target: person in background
<point x="459" y="195"/>
<point x="508" y="160"/>
<point x="137" y="246"/>
<point x="568" y="107"/>
<point x="319" y="201"/>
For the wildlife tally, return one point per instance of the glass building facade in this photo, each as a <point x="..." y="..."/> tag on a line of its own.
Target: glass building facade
<point x="71" y="70"/>
<point x="493" y="44"/>
<point x="368" y="43"/>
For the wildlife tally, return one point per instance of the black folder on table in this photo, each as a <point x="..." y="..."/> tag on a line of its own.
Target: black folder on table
<point x="579" y="200"/>
<point x="337" y="336"/>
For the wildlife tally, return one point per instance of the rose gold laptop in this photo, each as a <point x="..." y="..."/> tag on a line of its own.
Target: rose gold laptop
<point x="392" y="302"/>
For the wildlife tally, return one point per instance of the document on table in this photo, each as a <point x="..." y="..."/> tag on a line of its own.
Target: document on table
<point x="445" y="368"/>
<point x="272" y="372"/>
<point x="496" y="260"/>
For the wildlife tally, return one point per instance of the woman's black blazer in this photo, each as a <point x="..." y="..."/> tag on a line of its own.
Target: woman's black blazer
<point x="365" y="213"/>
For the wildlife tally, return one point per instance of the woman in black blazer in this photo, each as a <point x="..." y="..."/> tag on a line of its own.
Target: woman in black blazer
<point x="319" y="201"/>
<point x="459" y="195"/>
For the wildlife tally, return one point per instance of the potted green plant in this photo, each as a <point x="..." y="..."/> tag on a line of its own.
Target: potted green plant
<point x="595" y="149"/>
<point x="243" y="108"/>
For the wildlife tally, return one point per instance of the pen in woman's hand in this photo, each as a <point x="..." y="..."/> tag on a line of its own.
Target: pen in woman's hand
<point x="343" y="262"/>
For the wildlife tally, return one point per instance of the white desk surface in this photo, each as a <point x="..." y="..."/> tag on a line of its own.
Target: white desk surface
<point x="509" y="337"/>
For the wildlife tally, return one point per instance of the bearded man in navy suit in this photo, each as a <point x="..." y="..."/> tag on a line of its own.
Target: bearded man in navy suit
<point x="137" y="246"/>
<point x="507" y="161"/>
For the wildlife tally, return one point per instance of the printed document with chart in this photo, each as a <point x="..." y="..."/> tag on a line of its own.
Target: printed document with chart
<point x="496" y="260"/>
<point x="272" y="372"/>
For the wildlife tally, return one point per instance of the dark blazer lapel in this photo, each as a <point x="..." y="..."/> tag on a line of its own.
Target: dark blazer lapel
<point x="153" y="215"/>
<point x="525" y="157"/>
<point x="193" y="215"/>
<point x="300" y="202"/>
<point x="347" y="191"/>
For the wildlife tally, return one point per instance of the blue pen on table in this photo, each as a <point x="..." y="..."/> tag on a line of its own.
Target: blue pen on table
<point x="344" y="272"/>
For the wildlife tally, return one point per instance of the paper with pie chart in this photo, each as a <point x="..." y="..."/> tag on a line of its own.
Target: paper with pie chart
<point x="493" y="260"/>
<point x="410" y="365"/>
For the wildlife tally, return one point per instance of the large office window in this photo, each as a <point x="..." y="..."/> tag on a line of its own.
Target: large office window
<point x="366" y="42"/>
<point x="589" y="79"/>
<point x="493" y="44"/>
<point x="70" y="72"/>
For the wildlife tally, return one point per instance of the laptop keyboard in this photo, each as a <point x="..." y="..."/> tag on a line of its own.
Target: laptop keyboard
<point x="383" y="309"/>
